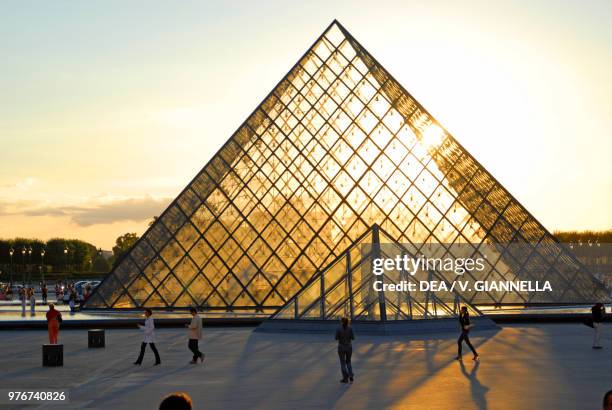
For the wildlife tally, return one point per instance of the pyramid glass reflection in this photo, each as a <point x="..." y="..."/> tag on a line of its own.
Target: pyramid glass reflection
<point x="335" y="148"/>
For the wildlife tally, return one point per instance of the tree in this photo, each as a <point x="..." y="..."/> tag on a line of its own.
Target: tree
<point x="77" y="258"/>
<point x="584" y="236"/>
<point x="82" y="253"/>
<point x="55" y="255"/>
<point x="123" y="244"/>
<point x="100" y="264"/>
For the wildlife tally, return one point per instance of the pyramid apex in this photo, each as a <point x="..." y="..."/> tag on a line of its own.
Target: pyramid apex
<point x="334" y="22"/>
<point x="336" y="29"/>
<point x="337" y="23"/>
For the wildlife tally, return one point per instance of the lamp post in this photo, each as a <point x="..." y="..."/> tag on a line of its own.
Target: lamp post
<point x="23" y="252"/>
<point x="30" y="264"/>
<point x="66" y="255"/>
<point x="42" y="264"/>
<point x="97" y="258"/>
<point x="11" y="252"/>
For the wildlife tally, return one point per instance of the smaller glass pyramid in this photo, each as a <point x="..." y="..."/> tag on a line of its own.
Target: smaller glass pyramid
<point x="345" y="288"/>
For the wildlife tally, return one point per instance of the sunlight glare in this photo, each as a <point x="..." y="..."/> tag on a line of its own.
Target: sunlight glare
<point x="432" y="136"/>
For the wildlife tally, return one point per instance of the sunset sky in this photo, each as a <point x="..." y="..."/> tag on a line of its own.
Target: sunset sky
<point x="109" y="108"/>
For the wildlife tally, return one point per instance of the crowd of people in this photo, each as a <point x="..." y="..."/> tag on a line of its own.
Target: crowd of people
<point x="61" y="289"/>
<point x="27" y="294"/>
<point x="69" y="288"/>
<point x="6" y="290"/>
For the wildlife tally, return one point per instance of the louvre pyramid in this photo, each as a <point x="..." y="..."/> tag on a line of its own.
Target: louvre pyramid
<point x="345" y="288"/>
<point x="336" y="147"/>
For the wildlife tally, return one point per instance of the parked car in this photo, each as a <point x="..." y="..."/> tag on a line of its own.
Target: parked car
<point x="81" y="286"/>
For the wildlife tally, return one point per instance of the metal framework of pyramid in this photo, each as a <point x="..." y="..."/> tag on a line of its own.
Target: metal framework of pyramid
<point x="345" y="288"/>
<point x="336" y="147"/>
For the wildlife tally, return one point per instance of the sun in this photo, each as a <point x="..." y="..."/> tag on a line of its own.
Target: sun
<point x="432" y="136"/>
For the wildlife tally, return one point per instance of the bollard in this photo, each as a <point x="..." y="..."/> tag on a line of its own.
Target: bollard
<point x="53" y="355"/>
<point x="95" y="338"/>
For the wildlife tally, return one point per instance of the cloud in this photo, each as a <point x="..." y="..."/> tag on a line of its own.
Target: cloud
<point x="98" y="211"/>
<point x="23" y="184"/>
<point x="8" y="207"/>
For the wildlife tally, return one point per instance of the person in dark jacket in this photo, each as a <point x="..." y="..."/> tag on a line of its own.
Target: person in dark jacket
<point x="345" y="336"/>
<point x="598" y="312"/>
<point x="176" y="401"/>
<point x="607" y="401"/>
<point x="464" y="321"/>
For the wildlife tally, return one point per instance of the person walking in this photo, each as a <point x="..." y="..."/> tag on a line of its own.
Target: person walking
<point x="43" y="291"/>
<point x="87" y="292"/>
<point x="22" y="297"/>
<point x="194" y="334"/>
<point x="32" y="302"/>
<point x="72" y="301"/>
<point x="598" y="311"/>
<point x="345" y="336"/>
<point x="464" y="321"/>
<point x="149" y="338"/>
<point x="54" y="317"/>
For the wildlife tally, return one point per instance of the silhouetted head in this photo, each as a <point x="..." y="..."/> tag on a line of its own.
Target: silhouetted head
<point x="148" y="312"/>
<point x="344" y="322"/>
<point x="176" y="401"/>
<point x="464" y="309"/>
<point x="607" y="401"/>
<point x="193" y="311"/>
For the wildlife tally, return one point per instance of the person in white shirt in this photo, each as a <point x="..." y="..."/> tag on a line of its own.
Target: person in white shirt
<point x="194" y="333"/>
<point x="149" y="337"/>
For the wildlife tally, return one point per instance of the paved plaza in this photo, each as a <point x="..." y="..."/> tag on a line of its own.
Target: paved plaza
<point x="523" y="367"/>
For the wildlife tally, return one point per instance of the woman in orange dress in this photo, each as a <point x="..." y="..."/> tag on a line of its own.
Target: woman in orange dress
<point x="53" y="323"/>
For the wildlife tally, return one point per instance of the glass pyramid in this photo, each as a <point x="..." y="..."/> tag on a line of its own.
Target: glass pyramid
<point x="336" y="147"/>
<point x="345" y="288"/>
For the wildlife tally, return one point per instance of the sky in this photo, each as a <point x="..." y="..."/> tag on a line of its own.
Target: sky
<point x="109" y="108"/>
